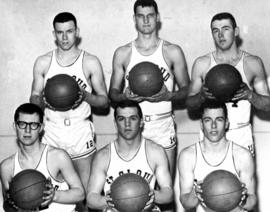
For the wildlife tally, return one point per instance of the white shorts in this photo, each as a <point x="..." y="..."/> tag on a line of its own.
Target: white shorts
<point x="161" y="131"/>
<point x="77" y="138"/>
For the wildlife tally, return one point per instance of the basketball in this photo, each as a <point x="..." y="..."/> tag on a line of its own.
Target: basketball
<point x="26" y="189"/>
<point x="61" y="92"/>
<point x="145" y="79"/>
<point x="223" y="80"/>
<point x="221" y="190"/>
<point x="130" y="193"/>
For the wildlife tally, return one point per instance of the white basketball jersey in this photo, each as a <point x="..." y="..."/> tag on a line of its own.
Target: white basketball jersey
<point x="152" y="108"/>
<point x="60" y="185"/>
<point x="203" y="168"/>
<point x="67" y="128"/>
<point x="137" y="165"/>
<point x="238" y="116"/>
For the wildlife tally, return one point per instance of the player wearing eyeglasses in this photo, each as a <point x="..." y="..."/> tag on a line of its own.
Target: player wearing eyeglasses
<point x="64" y="187"/>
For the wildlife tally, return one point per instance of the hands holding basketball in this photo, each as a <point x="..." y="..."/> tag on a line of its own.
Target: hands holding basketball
<point x="243" y="93"/>
<point x="198" y="192"/>
<point x="49" y="194"/>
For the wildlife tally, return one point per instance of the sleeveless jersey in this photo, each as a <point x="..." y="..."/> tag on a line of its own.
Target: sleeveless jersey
<point x="202" y="167"/>
<point x="137" y="165"/>
<point x="66" y="129"/>
<point x="238" y="116"/>
<point x="60" y="185"/>
<point x="153" y="108"/>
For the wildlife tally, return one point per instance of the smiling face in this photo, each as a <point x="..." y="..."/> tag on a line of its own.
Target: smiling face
<point x="224" y="34"/>
<point x="66" y="34"/>
<point x="214" y="124"/>
<point x="28" y="128"/>
<point x="128" y="123"/>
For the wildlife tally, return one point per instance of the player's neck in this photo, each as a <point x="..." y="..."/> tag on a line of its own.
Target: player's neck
<point x="128" y="144"/>
<point x="147" y="42"/>
<point x="218" y="146"/>
<point x="67" y="57"/>
<point x="230" y="56"/>
<point x="29" y="156"/>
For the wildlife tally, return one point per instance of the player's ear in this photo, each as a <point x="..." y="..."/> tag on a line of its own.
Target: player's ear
<point x="141" y="123"/>
<point x="227" y="124"/>
<point x="41" y="127"/>
<point x="77" y="31"/>
<point x="236" y="31"/>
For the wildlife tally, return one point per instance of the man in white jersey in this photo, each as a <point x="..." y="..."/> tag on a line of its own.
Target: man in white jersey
<point x="212" y="153"/>
<point x="65" y="188"/>
<point x="254" y="91"/>
<point x="157" y="110"/>
<point x="71" y="130"/>
<point x="129" y="153"/>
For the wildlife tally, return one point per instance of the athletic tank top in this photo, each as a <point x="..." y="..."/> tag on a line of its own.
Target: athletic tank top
<point x="238" y="116"/>
<point x="60" y="185"/>
<point x="202" y="167"/>
<point x="137" y="165"/>
<point x="153" y="108"/>
<point x="66" y="128"/>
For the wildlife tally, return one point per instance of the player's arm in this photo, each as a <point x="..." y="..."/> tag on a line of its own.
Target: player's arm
<point x="94" y="72"/>
<point x="41" y="66"/>
<point x="158" y="157"/>
<point x="176" y="58"/>
<point x="95" y="199"/>
<point x="244" y="164"/>
<point x="186" y="161"/>
<point x="75" y="193"/>
<point x="260" y="96"/>
<point x="195" y="93"/>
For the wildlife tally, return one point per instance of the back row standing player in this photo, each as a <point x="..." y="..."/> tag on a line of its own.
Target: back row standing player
<point x="71" y="130"/>
<point x="254" y="92"/>
<point x="157" y="110"/>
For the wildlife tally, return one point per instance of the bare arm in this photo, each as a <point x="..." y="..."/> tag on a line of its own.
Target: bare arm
<point x="158" y="156"/>
<point x="75" y="193"/>
<point x="260" y="96"/>
<point x="93" y="70"/>
<point x="118" y="73"/>
<point x="41" y="66"/>
<point x="95" y="199"/>
<point x="195" y="94"/>
<point x="245" y="166"/>
<point x="186" y="163"/>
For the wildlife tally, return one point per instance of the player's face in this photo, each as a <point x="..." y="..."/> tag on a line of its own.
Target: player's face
<point x="128" y="123"/>
<point x="66" y="35"/>
<point x="146" y="20"/>
<point x="28" y="128"/>
<point x="214" y="124"/>
<point x="223" y="33"/>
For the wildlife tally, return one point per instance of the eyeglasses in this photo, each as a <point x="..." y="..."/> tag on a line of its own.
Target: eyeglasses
<point x="23" y="125"/>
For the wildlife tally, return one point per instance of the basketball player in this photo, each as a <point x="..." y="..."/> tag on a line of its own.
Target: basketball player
<point x="157" y="110"/>
<point x="129" y="153"/>
<point x="65" y="188"/>
<point x="254" y="91"/>
<point x="71" y="130"/>
<point x="214" y="152"/>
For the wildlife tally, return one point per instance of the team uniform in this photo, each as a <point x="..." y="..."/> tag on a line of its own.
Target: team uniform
<point x="159" y="123"/>
<point x="71" y="130"/>
<point x="137" y="165"/>
<point x="240" y="130"/>
<point x="203" y="168"/>
<point x="59" y="185"/>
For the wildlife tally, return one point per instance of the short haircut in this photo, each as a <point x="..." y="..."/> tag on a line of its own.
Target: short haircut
<point x="128" y="103"/>
<point x="212" y="104"/>
<point x="29" y="108"/>
<point x="224" y="15"/>
<point x="64" y="17"/>
<point x="145" y="3"/>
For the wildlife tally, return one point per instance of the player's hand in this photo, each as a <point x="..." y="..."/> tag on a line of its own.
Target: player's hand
<point x="243" y="93"/>
<point x="197" y="186"/>
<point x="244" y="196"/>
<point x="132" y="96"/>
<point x="9" y="203"/>
<point x="47" y="103"/>
<point x="162" y="95"/>
<point x="82" y="94"/>
<point x="207" y="94"/>
<point x="109" y="201"/>
<point x="48" y="195"/>
<point x="150" y="202"/>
